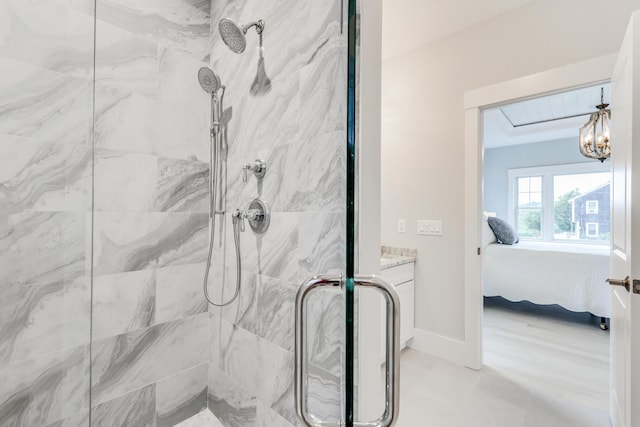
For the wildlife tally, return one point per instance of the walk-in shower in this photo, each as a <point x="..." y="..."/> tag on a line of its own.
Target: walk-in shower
<point x="108" y="135"/>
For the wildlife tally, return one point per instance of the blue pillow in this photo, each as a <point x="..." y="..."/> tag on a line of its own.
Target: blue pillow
<point x="504" y="232"/>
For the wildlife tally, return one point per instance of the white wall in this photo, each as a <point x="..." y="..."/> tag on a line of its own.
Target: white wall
<point x="497" y="162"/>
<point x="423" y="128"/>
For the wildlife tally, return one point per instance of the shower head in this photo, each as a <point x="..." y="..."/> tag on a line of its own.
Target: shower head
<point x="208" y="80"/>
<point x="233" y="35"/>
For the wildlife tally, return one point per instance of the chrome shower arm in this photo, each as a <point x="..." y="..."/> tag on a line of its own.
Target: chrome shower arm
<point x="259" y="24"/>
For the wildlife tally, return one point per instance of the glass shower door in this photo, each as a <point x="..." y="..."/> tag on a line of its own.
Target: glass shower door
<point x="348" y="284"/>
<point x="104" y="147"/>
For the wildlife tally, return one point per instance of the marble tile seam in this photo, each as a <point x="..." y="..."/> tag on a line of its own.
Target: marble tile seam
<point x="43" y="356"/>
<point x="155" y="325"/>
<point x="111" y="398"/>
<point x="36" y="67"/>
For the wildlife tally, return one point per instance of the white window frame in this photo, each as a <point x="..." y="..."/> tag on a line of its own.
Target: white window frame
<point x="586" y="229"/>
<point x="547" y="173"/>
<point x="593" y="211"/>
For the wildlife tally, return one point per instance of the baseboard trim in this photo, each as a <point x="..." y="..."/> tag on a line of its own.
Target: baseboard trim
<point x="452" y="350"/>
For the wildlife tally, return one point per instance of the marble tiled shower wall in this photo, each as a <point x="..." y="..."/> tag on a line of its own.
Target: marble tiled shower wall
<point x="147" y="148"/>
<point x="46" y="98"/>
<point x="298" y="129"/>
<point x="150" y="323"/>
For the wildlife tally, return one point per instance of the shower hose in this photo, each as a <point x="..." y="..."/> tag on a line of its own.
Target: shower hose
<point x="236" y="238"/>
<point x="214" y="148"/>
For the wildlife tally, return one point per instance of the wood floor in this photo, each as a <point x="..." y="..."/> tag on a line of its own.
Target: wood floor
<point x="549" y="349"/>
<point x="543" y="367"/>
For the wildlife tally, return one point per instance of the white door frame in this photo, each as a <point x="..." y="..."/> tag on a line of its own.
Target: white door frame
<point x="581" y="74"/>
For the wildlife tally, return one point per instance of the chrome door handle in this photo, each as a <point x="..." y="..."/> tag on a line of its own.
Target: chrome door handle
<point x="392" y="366"/>
<point x="317" y="282"/>
<point x="392" y="402"/>
<point x="626" y="283"/>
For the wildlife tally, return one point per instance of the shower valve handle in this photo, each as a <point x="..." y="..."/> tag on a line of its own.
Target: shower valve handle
<point x="253" y="215"/>
<point x="250" y="215"/>
<point x="258" y="215"/>
<point x="258" y="167"/>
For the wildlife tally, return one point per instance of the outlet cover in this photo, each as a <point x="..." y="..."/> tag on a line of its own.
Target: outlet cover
<point x="402" y="226"/>
<point x="430" y="227"/>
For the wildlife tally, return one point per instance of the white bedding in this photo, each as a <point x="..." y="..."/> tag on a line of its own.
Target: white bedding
<point x="570" y="275"/>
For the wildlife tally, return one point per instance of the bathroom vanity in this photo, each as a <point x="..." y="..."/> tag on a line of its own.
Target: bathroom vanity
<point x="397" y="267"/>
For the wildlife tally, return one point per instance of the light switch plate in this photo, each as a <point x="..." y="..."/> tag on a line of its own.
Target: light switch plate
<point x="430" y="227"/>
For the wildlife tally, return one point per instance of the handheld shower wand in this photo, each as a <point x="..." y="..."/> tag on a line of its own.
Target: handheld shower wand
<point x="210" y="83"/>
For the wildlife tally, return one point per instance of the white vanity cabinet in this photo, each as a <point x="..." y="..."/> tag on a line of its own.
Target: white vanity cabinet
<point x="402" y="277"/>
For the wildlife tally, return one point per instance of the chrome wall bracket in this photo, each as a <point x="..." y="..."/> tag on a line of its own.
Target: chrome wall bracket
<point x="392" y="374"/>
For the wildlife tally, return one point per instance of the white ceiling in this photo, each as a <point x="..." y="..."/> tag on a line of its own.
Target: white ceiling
<point x="410" y="24"/>
<point x="508" y="124"/>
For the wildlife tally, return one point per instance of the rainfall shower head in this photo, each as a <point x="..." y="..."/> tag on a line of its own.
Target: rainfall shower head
<point x="208" y="80"/>
<point x="233" y="35"/>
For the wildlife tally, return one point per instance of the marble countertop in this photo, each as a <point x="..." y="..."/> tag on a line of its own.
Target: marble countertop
<point x="392" y="257"/>
<point x="388" y="261"/>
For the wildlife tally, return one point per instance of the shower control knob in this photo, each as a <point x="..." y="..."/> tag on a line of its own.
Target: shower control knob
<point x="258" y="167"/>
<point x="258" y="215"/>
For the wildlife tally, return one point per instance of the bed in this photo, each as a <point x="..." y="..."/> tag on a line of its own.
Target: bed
<point x="570" y="275"/>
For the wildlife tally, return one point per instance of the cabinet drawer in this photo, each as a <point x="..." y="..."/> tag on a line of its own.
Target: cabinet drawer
<point x="398" y="274"/>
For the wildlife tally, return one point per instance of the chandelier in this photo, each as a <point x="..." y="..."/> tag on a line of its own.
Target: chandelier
<point x="594" y="135"/>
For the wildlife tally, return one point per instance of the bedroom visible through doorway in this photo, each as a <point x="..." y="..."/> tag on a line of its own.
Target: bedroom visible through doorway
<point x="546" y="303"/>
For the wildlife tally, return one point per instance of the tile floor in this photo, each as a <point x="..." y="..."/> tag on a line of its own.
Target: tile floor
<point x="544" y="367"/>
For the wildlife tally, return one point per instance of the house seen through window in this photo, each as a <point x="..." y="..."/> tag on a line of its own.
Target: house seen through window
<point x="592" y="229"/>
<point x="561" y="203"/>
<point x="592" y="206"/>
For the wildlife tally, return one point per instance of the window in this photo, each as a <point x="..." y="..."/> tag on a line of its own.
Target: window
<point x="529" y="211"/>
<point x="554" y="203"/>
<point x="592" y="229"/>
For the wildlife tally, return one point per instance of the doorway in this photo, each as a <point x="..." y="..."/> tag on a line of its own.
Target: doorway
<point x="543" y="290"/>
<point x="575" y="76"/>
